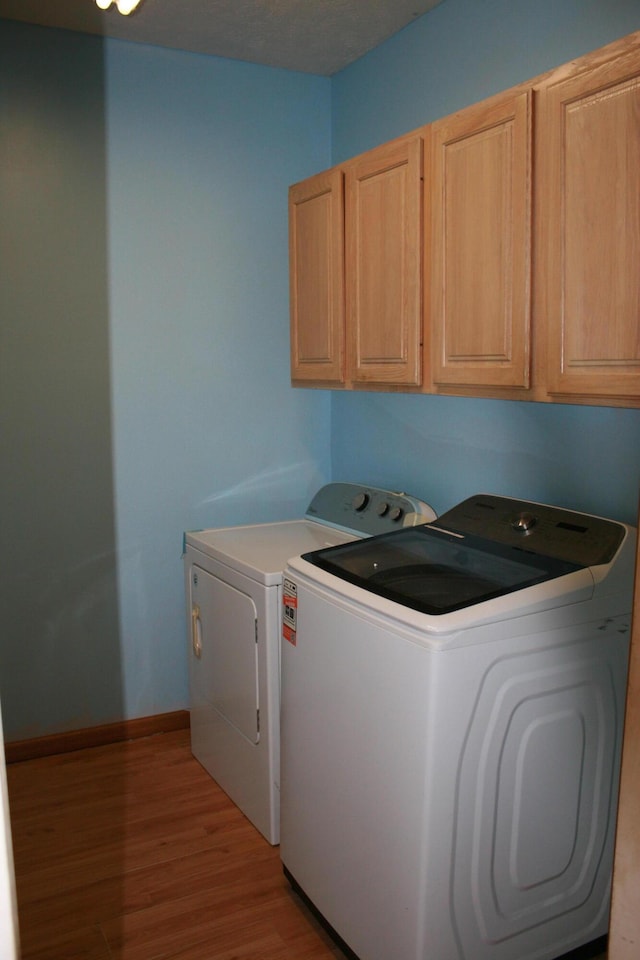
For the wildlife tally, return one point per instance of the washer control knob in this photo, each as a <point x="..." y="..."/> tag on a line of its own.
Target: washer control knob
<point x="382" y="508"/>
<point x="524" y="523"/>
<point x="396" y="514"/>
<point x="360" y="501"/>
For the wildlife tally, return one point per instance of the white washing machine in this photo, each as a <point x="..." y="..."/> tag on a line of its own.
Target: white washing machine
<point x="233" y="586"/>
<point x="452" y="710"/>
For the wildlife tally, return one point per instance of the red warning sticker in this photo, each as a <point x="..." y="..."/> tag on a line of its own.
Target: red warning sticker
<point x="289" y="611"/>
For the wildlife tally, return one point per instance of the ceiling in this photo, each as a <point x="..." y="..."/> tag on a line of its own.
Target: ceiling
<point x="313" y="36"/>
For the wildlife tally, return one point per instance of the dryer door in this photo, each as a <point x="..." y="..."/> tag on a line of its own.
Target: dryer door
<point x="224" y="624"/>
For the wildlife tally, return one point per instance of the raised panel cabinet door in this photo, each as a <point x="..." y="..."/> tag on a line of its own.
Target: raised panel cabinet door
<point x="384" y="264"/>
<point x="481" y="245"/>
<point x="316" y="278"/>
<point x="590" y="230"/>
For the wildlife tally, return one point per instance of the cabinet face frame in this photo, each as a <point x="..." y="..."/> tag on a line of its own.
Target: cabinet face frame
<point x="481" y="200"/>
<point x="316" y="279"/>
<point x="589" y="231"/>
<point x="384" y="264"/>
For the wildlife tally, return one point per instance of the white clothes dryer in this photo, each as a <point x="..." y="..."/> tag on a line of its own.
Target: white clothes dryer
<point x="452" y="709"/>
<point x="233" y="587"/>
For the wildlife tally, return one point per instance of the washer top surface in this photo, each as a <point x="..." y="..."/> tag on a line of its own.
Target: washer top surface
<point x="488" y="559"/>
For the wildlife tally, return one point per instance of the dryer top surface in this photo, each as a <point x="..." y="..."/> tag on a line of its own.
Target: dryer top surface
<point x="261" y="551"/>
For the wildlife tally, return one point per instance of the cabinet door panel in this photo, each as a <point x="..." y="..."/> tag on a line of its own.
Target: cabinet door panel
<point x="590" y="230"/>
<point x="481" y="243"/>
<point x="384" y="264"/>
<point x="316" y="271"/>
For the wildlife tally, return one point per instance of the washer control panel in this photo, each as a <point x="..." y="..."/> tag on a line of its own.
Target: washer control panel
<point x="367" y="511"/>
<point x="537" y="528"/>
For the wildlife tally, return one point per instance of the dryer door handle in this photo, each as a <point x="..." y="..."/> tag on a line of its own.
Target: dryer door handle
<point x="196" y="631"/>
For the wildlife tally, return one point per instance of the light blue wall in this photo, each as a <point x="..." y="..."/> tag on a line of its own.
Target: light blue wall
<point x="145" y="367"/>
<point x="459" y="53"/>
<point x="445" y="449"/>
<point x="207" y="430"/>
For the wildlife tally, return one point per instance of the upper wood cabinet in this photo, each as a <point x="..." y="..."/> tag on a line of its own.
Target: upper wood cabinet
<point x="588" y="161"/>
<point x="481" y="245"/>
<point x="316" y="279"/>
<point x="356" y="313"/>
<point x="384" y="264"/>
<point x="493" y="253"/>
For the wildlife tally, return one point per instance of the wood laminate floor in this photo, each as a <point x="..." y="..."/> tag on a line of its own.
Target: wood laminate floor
<point x="132" y="852"/>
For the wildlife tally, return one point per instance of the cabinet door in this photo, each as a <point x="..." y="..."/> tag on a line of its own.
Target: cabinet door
<point x="481" y="245"/>
<point x="316" y="272"/>
<point x="384" y="264"/>
<point x="589" y="161"/>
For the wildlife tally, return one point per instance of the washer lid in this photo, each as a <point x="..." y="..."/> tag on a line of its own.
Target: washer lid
<point x="437" y="571"/>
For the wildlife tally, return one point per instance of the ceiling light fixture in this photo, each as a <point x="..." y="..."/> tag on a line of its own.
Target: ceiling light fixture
<point x="125" y="7"/>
